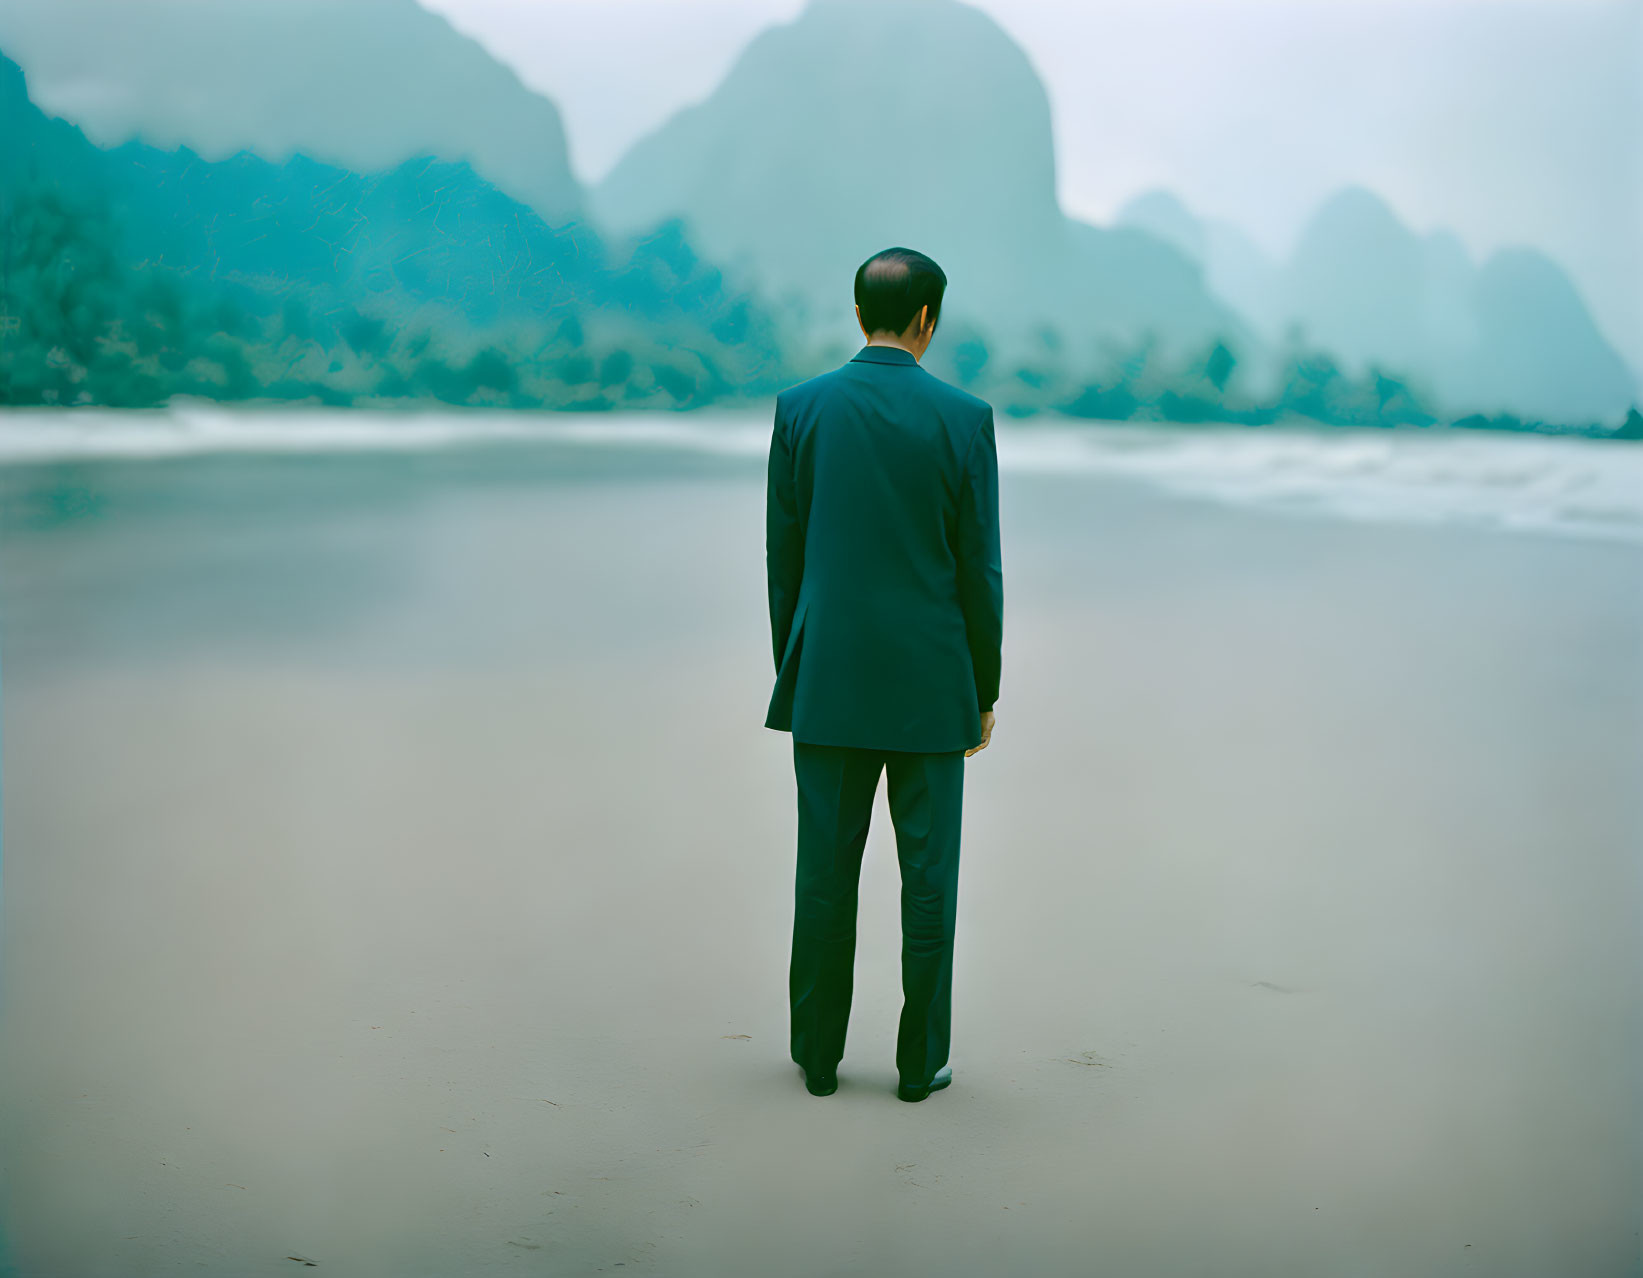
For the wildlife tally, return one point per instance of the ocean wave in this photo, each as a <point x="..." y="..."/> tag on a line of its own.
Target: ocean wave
<point x="1582" y="487"/>
<point x="37" y="436"/>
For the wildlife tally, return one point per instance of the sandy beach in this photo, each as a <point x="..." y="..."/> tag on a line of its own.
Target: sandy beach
<point x="398" y="877"/>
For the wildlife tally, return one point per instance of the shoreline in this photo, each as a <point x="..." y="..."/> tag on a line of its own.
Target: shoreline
<point x="1565" y="485"/>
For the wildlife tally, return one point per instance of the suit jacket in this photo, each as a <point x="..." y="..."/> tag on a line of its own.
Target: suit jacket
<point x="882" y="557"/>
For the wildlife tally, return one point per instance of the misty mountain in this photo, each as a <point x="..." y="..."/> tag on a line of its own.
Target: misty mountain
<point x="1356" y="281"/>
<point x="1538" y="352"/>
<point x="1236" y="269"/>
<point x="361" y="84"/>
<point x="424" y="232"/>
<point x="1509" y="336"/>
<point x="868" y="123"/>
<point x="101" y="244"/>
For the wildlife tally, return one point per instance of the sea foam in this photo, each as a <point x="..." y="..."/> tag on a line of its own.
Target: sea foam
<point x="1555" y="484"/>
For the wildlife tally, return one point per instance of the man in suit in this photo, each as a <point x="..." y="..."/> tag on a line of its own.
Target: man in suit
<point x="886" y="614"/>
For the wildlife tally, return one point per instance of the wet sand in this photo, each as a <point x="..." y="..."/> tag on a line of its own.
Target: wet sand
<point x="397" y="875"/>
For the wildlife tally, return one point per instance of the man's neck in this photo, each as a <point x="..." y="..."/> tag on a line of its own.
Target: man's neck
<point x="890" y="341"/>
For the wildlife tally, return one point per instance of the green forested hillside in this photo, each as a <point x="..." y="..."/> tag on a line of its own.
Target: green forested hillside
<point x="131" y="275"/>
<point x="134" y="274"/>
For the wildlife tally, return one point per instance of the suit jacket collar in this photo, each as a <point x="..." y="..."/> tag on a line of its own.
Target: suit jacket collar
<point x="883" y="355"/>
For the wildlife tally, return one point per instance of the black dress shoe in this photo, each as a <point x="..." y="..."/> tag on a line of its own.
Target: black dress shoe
<point x="821" y="1082"/>
<point x="918" y="1091"/>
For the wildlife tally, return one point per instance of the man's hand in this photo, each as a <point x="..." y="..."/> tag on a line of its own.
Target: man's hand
<point x="986" y="733"/>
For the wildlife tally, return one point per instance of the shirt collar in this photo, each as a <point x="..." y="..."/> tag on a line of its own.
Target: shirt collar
<point x="883" y="355"/>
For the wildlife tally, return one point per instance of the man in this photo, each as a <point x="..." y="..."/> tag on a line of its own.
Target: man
<point x="886" y="612"/>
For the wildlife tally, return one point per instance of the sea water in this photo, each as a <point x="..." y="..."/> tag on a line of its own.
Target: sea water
<point x="1552" y="484"/>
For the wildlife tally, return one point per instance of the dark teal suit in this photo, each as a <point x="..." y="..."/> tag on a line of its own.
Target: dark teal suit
<point x="881" y="541"/>
<point x="886" y="617"/>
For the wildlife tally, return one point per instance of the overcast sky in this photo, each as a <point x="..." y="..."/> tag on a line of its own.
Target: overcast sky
<point x="1509" y="121"/>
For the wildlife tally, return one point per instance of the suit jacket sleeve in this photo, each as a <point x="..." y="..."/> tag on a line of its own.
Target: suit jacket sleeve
<point x="980" y="569"/>
<point x="783" y="538"/>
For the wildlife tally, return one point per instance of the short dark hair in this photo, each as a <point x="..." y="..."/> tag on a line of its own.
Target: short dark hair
<point x="892" y="285"/>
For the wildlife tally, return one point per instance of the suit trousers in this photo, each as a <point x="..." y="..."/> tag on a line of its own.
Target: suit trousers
<point x="836" y="785"/>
